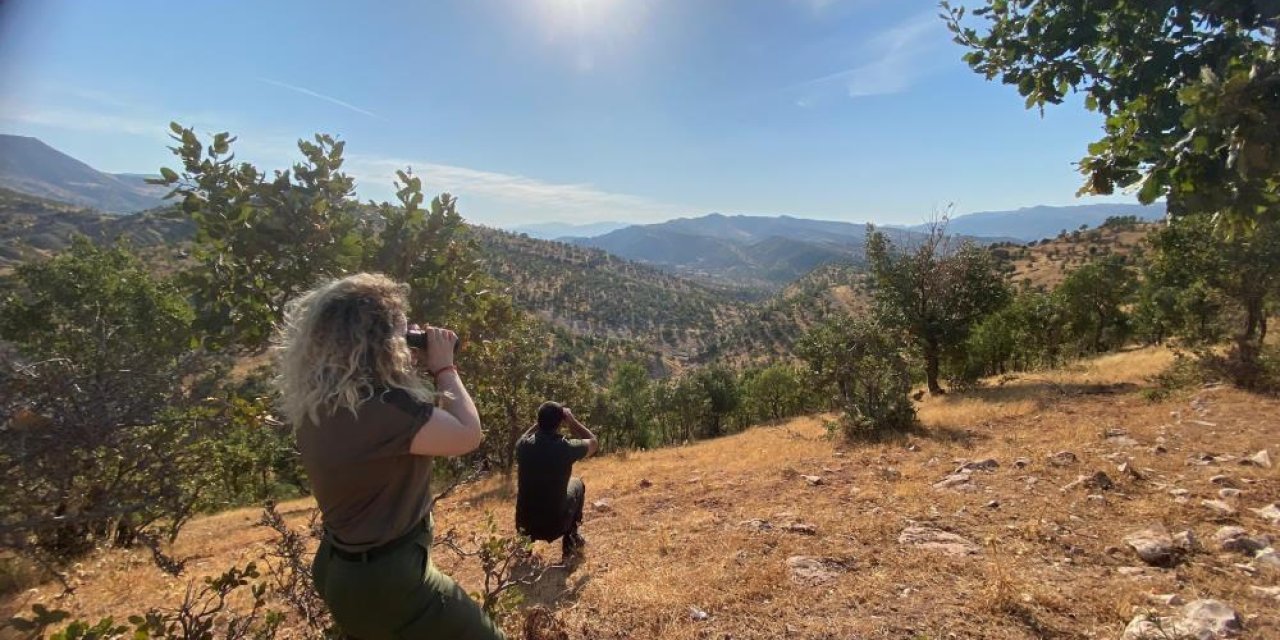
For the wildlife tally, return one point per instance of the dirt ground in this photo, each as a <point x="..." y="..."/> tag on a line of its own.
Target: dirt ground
<point x="698" y="541"/>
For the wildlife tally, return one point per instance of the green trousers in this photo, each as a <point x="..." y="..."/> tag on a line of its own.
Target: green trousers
<point x="398" y="595"/>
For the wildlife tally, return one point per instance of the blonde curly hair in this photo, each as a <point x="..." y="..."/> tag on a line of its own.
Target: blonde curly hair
<point x="340" y="342"/>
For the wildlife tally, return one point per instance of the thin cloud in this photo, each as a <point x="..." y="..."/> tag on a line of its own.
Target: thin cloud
<point x="898" y="58"/>
<point x="315" y="94"/>
<point x="567" y="202"/>
<point x="74" y="119"/>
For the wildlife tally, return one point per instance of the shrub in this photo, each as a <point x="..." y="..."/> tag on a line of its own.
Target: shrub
<point x="861" y="364"/>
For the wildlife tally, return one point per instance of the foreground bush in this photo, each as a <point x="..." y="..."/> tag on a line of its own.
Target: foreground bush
<point x="861" y="364"/>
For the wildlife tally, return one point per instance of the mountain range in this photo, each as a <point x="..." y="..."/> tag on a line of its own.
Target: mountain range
<point x="1037" y="223"/>
<point x="755" y="251"/>
<point x="30" y="166"/>
<point x="557" y="230"/>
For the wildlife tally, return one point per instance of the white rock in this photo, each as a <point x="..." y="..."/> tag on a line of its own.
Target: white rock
<point x="1219" y="508"/>
<point x="937" y="540"/>
<point x="1209" y="619"/>
<point x="1267" y="592"/>
<point x="954" y="482"/>
<point x="1063" y="458"/>
<point x="697" y="614"/>
<point x="1270" y="512"/>
<point x="1153" y="544"/>
<point x="1222" y="479"/>
<point x="1186" y="540"/>
<point x="986" y="464"/>
<point x="1236" y="539"/>
<point x="812" y="571"/>
<point x="812" y="481"/>
<point x="1259" y="459"/>
<point x="1267" y="559"/>
<point x="603" y="505"/>
<point x="1227" y="493"/>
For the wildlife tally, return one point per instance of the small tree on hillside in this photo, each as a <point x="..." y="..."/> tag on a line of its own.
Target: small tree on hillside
<point x="1094" y="297"/>
<point x="861" y="364"/>
<point x="935" y="292"/>
<point x="99" y="445"/>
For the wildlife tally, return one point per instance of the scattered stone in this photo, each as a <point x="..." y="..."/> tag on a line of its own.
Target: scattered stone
<point x="1166" y="599"/>
<point x="604" y="504"/>
<point x="756" y="524"/>
<point x="800" y="527"/>
<point x="1021" y="463"/>
<point x="986" y="464"/>
<point x="1122" y="441"/>
<point x="698" y="615"/>
<point x="1226" y="493"/>
<point x="1115" y="433"/>
<point x="1159" y="449"/>
<point x="645" y="484"/>
<point x="1186" y="541"/>
<point x="1259" y="459"/>
<point x="1238" y="540"/>
<point x="1270" y="512"/>
<point x="1127" y="469"/>
<point x="1267" y="592"/>
<point x="1202" y="459"/>
<point x="1095" y="497"/>
<point x="1219" y="508"/>
<point x="812" y="571"/>
<point x="1153" y="544"/>
<point x="912" y="447"/>
<point x="890" y="473"/>
<point x="1211" y="616"/>
<point x="1268" y="559"/>
<point x="1221" y="479"/>
<point x="1135" y="572"/>
<point x="1179" y="492"/>
<point x="954" y="482"/>
<point x="1099" y="481"/>
<point x="937" y="540"/>
<point x="812" y="481"/>
<point x="1063" y="459"/>
<point x="994" y="504"/>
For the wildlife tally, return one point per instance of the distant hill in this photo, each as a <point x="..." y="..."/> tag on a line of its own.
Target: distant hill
<point x="756" y="251"/>
<point x="32" y="227"/>
<point x="1036" y="223"/>
<point x="557" y="230"/>
<point x="589" y="292"/>
<point x="30" y="166"/>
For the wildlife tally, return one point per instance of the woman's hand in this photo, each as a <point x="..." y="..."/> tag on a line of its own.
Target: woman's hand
<point x="440" y="347"/>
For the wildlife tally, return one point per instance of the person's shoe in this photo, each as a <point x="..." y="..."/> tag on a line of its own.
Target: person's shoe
<point x="571" y="545"/>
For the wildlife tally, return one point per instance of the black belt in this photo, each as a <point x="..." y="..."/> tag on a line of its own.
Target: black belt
<point x="384" y="549"/>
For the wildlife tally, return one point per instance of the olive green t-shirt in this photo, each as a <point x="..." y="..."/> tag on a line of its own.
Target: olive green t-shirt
<point x="368" y="486"/>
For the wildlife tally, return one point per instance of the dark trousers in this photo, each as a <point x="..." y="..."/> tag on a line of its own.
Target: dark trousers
<point x="397" y="595"/>
<point x="575" y="499"/>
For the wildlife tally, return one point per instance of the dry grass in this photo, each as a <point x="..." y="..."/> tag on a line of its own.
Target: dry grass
<point x="1049" y="566"/>
<point x="1045" y="265"/>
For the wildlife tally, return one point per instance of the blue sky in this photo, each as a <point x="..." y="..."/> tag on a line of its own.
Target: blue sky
<point x="556" y="110"/>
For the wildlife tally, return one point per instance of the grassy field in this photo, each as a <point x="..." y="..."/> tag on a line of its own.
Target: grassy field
<point x="709" y="527"/>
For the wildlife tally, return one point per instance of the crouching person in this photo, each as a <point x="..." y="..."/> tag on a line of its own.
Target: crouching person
<point x="549" y="500"/>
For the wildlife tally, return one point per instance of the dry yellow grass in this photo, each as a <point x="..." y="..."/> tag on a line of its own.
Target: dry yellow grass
<point x="1050" y="561"/>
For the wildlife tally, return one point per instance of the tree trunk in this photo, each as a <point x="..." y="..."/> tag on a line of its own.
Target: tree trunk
<point x="931" y="358"/>
<point x="1248" y="343"/>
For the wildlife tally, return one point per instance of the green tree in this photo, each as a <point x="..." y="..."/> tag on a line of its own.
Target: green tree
<point x="260" y="240"/>
<point x="1094" y="297"/>
<point x="631" y="410"/>
<point x="934" y="292"/>
<point x="99" y="446"/>
<point x="1206" y="266"/>
<point x="719" y="385"/>
<point x="861" y="364"/>
<point x="773" y="393"/>
<point x="1187" y="90"/>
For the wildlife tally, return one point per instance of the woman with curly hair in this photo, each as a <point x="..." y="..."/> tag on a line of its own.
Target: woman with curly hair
<point x="367" y="427"/>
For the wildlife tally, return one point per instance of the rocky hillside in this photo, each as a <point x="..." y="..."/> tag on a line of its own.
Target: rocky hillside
<point x="1045" y="263"/>
<point x="1056" y="505"/>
